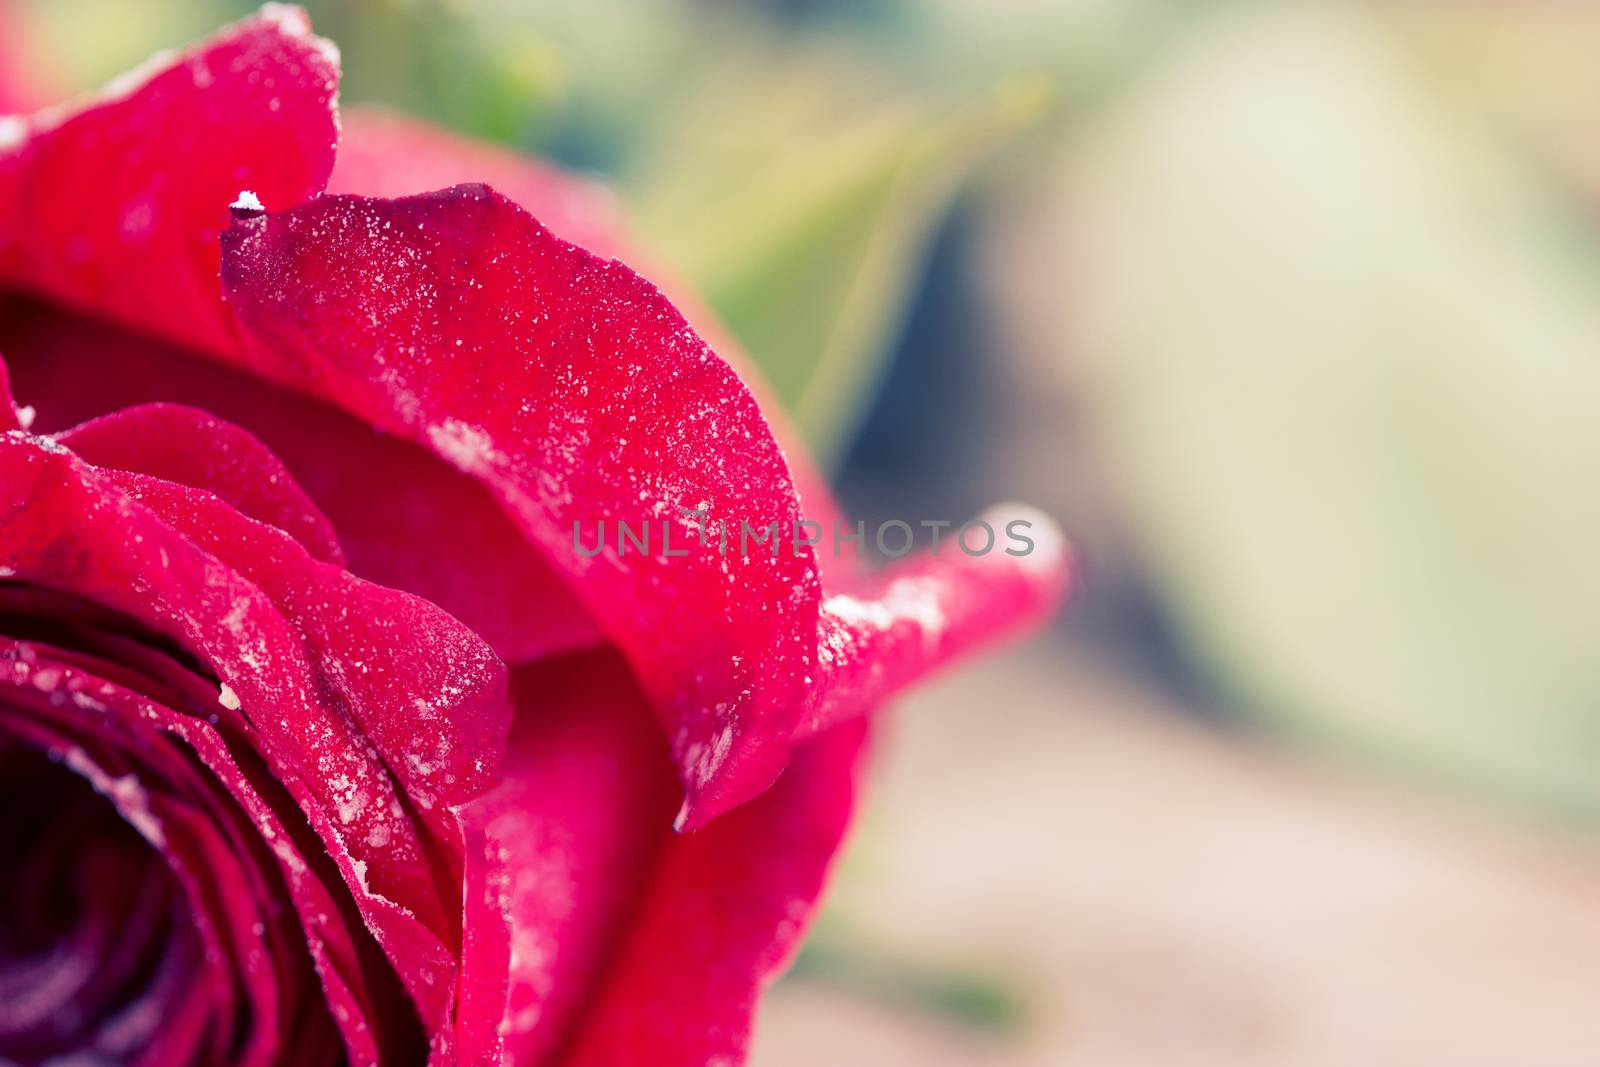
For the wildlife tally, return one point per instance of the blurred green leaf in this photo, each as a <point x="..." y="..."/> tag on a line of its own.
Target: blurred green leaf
<point x="804" y="218"/>
<point x="88" y="42"/>
<point x="1345" y="347"/>
<point x="977" y="1000"/>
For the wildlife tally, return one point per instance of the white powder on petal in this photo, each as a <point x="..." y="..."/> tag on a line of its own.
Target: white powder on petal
<point x="912" y="600"/>
<point x="247" y="201"/>
<point x="228" y="698"/>
<point x="467" y="447"/>
<point x="129" y="797"/>
<point x="860" y="612"/>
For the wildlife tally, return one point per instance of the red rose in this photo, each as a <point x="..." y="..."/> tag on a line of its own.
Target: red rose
<point x="329" y="844"/>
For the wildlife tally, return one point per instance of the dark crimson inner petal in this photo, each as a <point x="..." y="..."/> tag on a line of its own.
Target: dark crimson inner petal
<point x="146" y="918"/>
<point x="88" y="914"/>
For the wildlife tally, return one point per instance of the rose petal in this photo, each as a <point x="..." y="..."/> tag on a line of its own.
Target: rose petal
<point x="611" y="910"/>
<point x="190" y="447"/>
<point x="114" y="205"/>
<point x="735" y="898"/>
<point x="572" y="389"/>
<point x="582" y="816"/>
<point x="422" y="688"/>
<point x="382" y="153"/>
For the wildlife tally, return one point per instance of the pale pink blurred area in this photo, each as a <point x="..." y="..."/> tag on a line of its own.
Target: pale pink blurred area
<point x="1152" y="892"/>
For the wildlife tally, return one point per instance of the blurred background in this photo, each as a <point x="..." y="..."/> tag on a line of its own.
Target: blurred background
<point x="1291" y="313"/>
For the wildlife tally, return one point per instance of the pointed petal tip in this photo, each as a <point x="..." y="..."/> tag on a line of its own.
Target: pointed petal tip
<point x="1050" y="561"/>
<point x="292" y="20"/>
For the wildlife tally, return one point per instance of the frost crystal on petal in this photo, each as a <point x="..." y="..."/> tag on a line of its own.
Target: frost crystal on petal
<point x="246" y="204"/>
